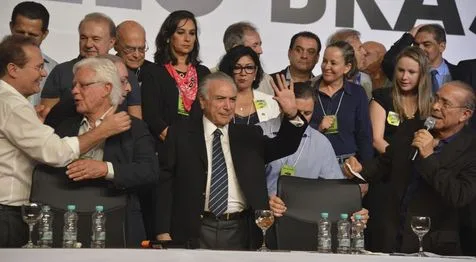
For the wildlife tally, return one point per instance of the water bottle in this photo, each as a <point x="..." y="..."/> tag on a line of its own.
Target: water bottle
<point x="98" y="237"/>
<point x="324" y="234"/>
<point x="357" y="235"/>
<point x="343" y="235"/>
<point x="70" y="229"/>
<point x="45" y="227"/>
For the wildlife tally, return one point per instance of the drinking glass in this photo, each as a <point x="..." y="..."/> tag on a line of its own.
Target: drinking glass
<point x="264" y="219"/>
<point x="420" y="226"/>
<point x="31" y="213"/>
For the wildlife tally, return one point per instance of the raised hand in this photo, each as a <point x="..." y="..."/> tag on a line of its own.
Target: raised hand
<point x="284" y="95"/>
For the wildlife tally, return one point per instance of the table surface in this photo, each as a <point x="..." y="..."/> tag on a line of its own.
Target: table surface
<point x="179" y="255"/>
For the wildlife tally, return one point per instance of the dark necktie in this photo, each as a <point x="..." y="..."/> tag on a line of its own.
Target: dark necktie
<point x="218" y="202"/>
<point x="434" y="81"/>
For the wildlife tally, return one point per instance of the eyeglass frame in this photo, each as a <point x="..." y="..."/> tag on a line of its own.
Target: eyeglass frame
<point x="237" y="69"/>
<point x="445" y="104"/>
<point x="83" y="86"/>
<point x="129" y="50"/>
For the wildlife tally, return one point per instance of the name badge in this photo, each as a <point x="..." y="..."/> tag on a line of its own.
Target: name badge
<point x="334" y="128"/>
<point x="260" y="104"/>
<point x="393" y="118"/>
<point x="181" y="108"/>
<point x="287" y="170"/>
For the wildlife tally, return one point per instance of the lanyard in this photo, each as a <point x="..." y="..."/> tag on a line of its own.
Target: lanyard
<point x="338" y="106"/>
<point x="300" y="152"/>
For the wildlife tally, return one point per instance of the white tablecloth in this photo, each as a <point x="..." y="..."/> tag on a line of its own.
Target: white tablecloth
<point x="178" y="255"/>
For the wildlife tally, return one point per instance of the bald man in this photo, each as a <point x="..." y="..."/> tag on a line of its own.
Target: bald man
<point x="131" y="46"/>
<point x="374" y="54"/>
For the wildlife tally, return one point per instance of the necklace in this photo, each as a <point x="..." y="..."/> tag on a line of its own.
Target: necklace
<point x="249" y="114"/>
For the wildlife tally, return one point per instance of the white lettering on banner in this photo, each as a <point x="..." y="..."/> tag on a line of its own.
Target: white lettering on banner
<point x="276" y="20"/>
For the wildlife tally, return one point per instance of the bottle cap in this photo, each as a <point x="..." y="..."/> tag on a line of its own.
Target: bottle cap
<point x="358" y="216"/>
<point x="71" y="207"/>
<point x="99" y="208"/>
<point x="324" y="215"/>
<point x="344" y="216"/>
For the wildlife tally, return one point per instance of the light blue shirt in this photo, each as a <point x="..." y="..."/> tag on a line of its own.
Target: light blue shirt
<point x="315" y="157"/>
<point x="443" y="74"/>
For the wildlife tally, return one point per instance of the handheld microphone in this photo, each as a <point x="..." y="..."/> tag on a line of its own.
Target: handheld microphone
<point x="429" y="125"/>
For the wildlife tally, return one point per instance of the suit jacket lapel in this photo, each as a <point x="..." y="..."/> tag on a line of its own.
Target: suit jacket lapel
<point x="197" y="139"/>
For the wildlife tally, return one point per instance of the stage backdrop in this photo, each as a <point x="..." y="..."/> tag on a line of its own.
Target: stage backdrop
<point x="277" y="21"/>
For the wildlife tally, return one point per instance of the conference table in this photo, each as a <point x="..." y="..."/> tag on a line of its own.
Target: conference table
<point x="179" y="255"/>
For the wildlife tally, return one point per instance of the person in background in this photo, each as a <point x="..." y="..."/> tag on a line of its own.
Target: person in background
<point x="373" y="67"/>
<point x="32" y="19"/>
<point x="303" y="55"/>
<point x="252" y="106"/>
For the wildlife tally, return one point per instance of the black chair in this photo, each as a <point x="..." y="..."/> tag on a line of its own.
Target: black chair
<point x="305" y="200"/>
<point x="52" y="186"/>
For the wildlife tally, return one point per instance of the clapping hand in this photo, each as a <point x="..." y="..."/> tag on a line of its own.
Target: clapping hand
<point x="284" y="95"/>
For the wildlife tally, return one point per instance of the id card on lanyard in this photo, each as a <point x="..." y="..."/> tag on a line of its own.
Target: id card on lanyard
<point x="288" y="169"/>
<point x="334" y="128"/>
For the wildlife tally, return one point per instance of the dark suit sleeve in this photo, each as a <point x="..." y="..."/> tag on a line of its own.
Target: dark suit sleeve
<point x="134" y="97"/>
<point x="390" y="58"/>
<point x="144" y="168"/>
<point x="458" y="187"/>
<point x="286" y="142"/>
<point x="165" y="200"/>
<point x="151" y="91"/>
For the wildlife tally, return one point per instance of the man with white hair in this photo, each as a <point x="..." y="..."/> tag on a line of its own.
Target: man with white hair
<point x="122" y="163"/>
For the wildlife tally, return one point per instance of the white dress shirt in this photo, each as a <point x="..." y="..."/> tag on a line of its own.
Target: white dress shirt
<point x="25" y="141"/>
<point x="236" y="201"/>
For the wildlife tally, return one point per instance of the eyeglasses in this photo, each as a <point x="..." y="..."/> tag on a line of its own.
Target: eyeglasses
<point x="86" y="84"/>
<point x="445" y="104"/>
<point x="130" y="49"/>
<point x="38" y="68"/>
<point x="249" y="69"/>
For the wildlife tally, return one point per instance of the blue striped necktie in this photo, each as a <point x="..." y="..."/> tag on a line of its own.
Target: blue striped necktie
<point x="218" y="202"/>
<point x="434" y="81"/>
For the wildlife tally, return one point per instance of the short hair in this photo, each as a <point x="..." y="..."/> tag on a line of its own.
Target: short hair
<point x="228" y="62"/>
<point x="12" y="51"/>
<point x="105" y="71"/>
<point x="303" y="90"/>
<point x="470" y="98"/>
<point x="98" y="18"/>
<point x="349" y="57"/>
<point x="342" y="35"/>
<point x="235" y="33"/>
<point x="32" y="10"/>
<point x="163" y="53"/>
<point x="424" y="83"/>
<point x="112" y="58"/>
<point x="436" y="30"/>
<point x="306" y="34"/>
<point x="205" y="82"/>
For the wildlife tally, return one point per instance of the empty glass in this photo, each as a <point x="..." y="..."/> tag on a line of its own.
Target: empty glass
<point x="420" y="226"/>
<point x="31" y="213"/>
<point x="264" y="219"/>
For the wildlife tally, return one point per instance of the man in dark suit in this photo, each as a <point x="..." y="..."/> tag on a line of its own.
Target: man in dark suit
<point x="124" y="162"/>
<point x="440" y="180"/>
<point x="214" y="179"/>
<point x="303" y="55"/>
<point x="431" y="38"/>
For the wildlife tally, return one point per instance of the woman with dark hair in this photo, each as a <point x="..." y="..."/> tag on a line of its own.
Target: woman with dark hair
<point x="252" y="106"/>
<point x="169" y="87"/>
<point x="342" y="112"/>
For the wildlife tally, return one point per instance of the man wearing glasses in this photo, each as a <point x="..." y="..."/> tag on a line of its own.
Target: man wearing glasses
<point x="97" y="35"/>
<point x="437" y="183"/>
<point x="131" y="46"/>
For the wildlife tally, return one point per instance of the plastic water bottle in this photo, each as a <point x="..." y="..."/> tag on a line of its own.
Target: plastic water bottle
<point x="357" y="236"/>
<point x="324" y="234"/>
<point x="98" y="237"/>
<point x="70" y="229"/>
<point x="45" y="227"/>
<point x="343" y="234"/>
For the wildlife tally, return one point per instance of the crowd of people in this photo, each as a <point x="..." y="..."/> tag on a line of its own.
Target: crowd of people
<point x="190" y="152"/>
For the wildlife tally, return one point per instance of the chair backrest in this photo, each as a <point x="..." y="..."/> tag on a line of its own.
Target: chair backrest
<point x="52" y="186"/>
<point x="305" y="199"/>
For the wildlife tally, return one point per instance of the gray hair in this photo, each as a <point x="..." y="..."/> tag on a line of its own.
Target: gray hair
<point x="234" y="34"/>
<point x="205" y="83"/>
<point x="343" y="35"/>
<point x="106" y="72"/>
<point x="100" y="17"/>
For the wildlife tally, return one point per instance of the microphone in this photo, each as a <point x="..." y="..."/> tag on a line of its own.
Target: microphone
<point x="429" y="125"/>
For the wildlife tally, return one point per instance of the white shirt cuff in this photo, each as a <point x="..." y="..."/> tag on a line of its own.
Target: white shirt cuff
<point x="110" y="171"/>
<point x="73" y="142"/>
<point x="297" y="121"/>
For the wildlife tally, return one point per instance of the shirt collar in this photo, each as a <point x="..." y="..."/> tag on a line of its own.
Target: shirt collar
<point x="347" y="85"/>
<point x="98" y="122"/>
<point x="288" y="75"/>
<point x="209" y="128"/>
<point x="442" y="69"/>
